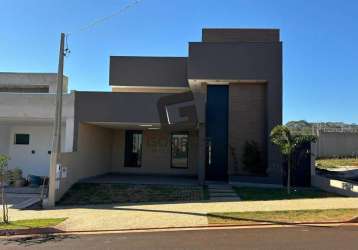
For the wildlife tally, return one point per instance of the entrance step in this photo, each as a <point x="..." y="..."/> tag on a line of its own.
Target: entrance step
<point x="225" y="199"/>
<point x="222" y="192"/>
<point x="221" y="189"/>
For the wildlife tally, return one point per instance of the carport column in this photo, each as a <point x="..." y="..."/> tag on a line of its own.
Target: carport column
<point x="199" y="91"/>
<point x="201" y="153"/>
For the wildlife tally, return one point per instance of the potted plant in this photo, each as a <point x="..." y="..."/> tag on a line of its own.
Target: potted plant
<point x="17" y="178"/>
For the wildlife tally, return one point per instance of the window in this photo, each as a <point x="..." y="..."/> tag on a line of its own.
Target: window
<point x="179" y="150"/>
<point x="133" y="148"/>
<point x="22" y="139"/>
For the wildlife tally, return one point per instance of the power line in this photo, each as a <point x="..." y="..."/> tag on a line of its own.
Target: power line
<point x="105" y="18"/>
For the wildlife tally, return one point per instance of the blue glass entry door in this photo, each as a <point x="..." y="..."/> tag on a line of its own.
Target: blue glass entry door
<point x="217" y="132"/>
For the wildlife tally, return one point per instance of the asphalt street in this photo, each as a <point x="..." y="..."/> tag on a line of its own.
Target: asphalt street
<point x="301" y="237"/>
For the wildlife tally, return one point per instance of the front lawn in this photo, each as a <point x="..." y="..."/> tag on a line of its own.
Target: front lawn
<point x="262" y="194"/>
<point x="295" y="216"/>
<point x="333" y="163"/>
<point x="30" y="224"/>
<point x="90" y="193"/>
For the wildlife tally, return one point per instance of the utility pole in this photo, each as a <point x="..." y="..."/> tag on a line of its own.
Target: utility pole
<point x="56" y="143"/>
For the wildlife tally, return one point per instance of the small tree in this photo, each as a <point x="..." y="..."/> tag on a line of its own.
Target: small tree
<point x="287" y="143"/>
<point x="3" y="177"/>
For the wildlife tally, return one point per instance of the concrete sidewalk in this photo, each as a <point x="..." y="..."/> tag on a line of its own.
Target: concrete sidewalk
<point x="119" y="217"/>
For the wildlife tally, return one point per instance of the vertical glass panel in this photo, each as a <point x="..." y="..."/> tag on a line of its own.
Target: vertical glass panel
<point x="133" y="148"/>
<point x="179" y="150"/>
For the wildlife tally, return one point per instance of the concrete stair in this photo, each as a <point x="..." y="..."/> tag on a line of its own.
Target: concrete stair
<point x="222" y="192"/>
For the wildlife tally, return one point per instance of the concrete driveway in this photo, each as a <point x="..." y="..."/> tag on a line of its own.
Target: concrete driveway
<point x="22" y="197"/>
<point x="130" y="216"/>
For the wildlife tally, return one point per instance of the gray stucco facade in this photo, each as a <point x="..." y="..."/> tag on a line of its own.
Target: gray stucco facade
<point x="246" y="62"/>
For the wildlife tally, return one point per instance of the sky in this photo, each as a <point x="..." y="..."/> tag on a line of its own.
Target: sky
<point x="320" y="39"/>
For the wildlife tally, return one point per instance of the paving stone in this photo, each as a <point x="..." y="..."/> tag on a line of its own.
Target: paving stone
<point x="182" y="214"/>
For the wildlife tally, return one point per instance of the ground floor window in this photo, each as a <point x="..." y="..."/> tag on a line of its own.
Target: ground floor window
<point x="22" y="139"/>
<point x="180" y="149"/>
<point x="133" y="148"/>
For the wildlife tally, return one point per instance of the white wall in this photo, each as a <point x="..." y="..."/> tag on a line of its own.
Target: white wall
<point x="331" y="144"/>
<point x="24" y="106"/>
<point x="344" y="188"/>
<point x="22" y="80"/>
<point x="4" y="139"/>
<point x="33" y="114"/>
<point x="40" y="141"/>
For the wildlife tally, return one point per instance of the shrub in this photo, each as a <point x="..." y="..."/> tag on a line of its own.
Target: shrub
<point x="16" y="174"/>
<point x="252" y="158"/>
<point x="13" y="175"/>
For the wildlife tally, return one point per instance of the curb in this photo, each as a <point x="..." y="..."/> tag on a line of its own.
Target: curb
<point x="30" y="231"/>
<point x="54" y="231"/>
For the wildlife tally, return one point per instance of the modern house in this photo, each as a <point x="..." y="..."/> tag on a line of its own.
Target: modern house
<point x="184" y="116"/>
<point x="27" y="107"/>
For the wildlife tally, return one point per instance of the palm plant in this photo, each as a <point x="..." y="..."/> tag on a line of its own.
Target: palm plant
<point x="287" y="143"/>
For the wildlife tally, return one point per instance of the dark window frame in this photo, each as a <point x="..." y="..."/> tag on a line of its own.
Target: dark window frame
<point x="187" y="151"/>
<point x="126" y="154"/>
<point x="16" y="141"/>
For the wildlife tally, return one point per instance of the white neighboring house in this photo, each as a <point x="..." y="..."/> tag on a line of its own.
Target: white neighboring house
<point x="27" y="108"/>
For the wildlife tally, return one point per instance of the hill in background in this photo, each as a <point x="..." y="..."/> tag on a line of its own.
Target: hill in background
<point x="303" y="126"/>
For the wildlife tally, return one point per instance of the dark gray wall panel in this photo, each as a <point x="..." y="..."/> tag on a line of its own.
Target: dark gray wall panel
<point x="240" y="35"/>
<point x="234" y="60"/>
<point x="148" y="71"/>
<point x="117" y="107"/>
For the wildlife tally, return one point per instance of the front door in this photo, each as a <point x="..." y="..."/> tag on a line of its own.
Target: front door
<point x="217" y="132"/>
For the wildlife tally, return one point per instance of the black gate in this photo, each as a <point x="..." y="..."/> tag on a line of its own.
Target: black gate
<point x="301" y="170"/>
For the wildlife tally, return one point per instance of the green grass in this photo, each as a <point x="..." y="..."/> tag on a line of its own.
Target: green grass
<point x="90" y="193"/>
<point x="332" y="163"/>
<point x="295" y="216"/>
<point x="29" y="224"/>
<point x="262" y="194"/>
